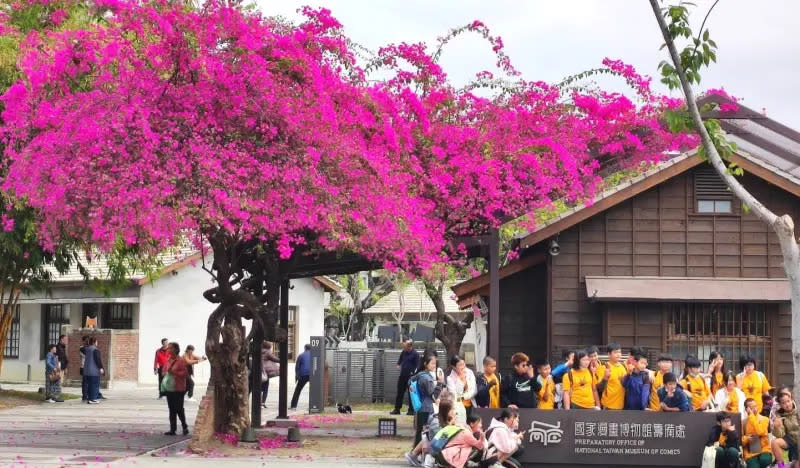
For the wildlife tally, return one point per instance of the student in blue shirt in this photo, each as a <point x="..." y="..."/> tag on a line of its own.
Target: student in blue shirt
<point x="672" y="396"/>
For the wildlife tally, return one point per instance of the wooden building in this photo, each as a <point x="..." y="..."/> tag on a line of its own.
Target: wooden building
<point x="669" y="260"/>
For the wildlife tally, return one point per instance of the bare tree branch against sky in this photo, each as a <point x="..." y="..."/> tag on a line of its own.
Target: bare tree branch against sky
<point x="550" y="39"/>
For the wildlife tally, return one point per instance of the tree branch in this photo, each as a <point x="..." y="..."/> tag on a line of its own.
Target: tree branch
<point x="756" y="206"/>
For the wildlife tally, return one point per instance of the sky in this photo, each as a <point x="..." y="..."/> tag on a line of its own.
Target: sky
<point x="758" y="56"/>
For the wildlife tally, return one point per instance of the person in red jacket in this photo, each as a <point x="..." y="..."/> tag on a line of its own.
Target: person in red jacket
<point x="175" y="372"/>
<point x="162" y="356"/>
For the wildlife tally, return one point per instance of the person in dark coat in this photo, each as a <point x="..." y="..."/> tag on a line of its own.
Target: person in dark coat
<point x="724" y="433"/>
<point x="407" y="363"/>
<point x="92" y="370"/>
<point x="302" y="373"/>
<point x="61" y="351"/>
<point x="270" y="367"/>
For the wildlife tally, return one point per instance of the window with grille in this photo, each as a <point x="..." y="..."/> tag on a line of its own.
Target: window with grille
<point x="118" y="316"/>
<point x="292" y="332"/>
<point x="53" y="316"/>
<point x="11" y="349"/>
<point x="732" y="329"/>
<point x="710" y="192"/>
<point x="114" y="316"/>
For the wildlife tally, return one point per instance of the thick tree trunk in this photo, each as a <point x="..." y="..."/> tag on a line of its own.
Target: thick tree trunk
<point x="226" y="347"/>
<point x="255" y="273"/>
<point x="782" y="225"/>
<point x="358" y="323"/>
<point x="448" y="330"/>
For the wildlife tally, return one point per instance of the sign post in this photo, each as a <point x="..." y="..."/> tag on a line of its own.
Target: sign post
<point x="612" y="438"/>
<point x="316" y="395"/>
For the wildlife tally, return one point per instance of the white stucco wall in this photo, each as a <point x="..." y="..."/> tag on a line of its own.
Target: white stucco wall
<point x="173" y="307"/>
<point x="309" y="298"/>
<point x="30" y="343"/>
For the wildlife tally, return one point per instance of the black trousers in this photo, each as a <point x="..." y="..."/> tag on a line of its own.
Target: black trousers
<point x="175" y="405"/>
<point x="421" y="419"/>
<point x="189" y="386"/>
<point x="402" y="390"/>
<point x="301" y="382"/>
<point x="160" y="378"/>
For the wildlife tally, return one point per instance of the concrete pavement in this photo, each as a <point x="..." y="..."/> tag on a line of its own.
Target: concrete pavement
<point x="122" y="430"/>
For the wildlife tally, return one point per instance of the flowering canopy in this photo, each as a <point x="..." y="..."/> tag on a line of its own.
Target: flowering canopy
<point x="167" y="120"/>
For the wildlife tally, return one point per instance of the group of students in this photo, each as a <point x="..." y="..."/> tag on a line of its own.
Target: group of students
<point x="583" y="381"/>
<point x="448" y="434"/>
<point x="727" y="447"/>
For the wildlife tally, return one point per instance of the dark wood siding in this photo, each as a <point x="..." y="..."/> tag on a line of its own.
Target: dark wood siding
<point x="523" y="323"/>
<point x="659" y="233"/>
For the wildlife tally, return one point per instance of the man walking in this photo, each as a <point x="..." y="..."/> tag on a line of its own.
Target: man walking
<point x="159" y="365"/>
<point x="408" y="364"/>
<point x="302" y="372"/>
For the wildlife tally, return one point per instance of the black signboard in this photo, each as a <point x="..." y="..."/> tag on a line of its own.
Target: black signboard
<point x="586" y="437"/>
<point x="316" y="394"/>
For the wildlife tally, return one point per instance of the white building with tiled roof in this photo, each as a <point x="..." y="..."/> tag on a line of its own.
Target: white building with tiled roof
<point x="131" y="322"/>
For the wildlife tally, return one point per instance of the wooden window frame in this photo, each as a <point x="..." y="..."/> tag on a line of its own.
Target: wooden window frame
<point x="733" y="328"/>
<point x="709" y="187"/>
<point x="49" y="320"/>
<point x="11" y="350"/>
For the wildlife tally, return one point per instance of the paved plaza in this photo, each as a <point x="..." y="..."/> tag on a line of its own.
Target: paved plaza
<point x="120" y="431"/>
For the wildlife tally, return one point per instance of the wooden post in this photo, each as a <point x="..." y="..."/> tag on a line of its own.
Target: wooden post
<point x="494" y="294"/>
<point x="255" y="381"/>
<point x="283" y="387"/>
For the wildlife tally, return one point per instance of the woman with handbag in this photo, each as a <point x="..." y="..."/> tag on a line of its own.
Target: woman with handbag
<point x="270" y="367"/>
<point x="173" y="385"/>
<point x="52" y="376"/>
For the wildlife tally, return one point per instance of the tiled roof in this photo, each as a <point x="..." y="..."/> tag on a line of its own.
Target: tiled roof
<point x="98" y="266"/>
<point x="415" y="301"/>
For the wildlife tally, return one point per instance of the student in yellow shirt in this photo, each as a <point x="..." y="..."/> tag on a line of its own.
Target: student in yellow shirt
<point x="657" y="377"/>
<point x="755" y="442"/>
<point x="610" y="376"/>
<point x="753" y="383"/>
<point x="488" y="383"/>
<point x="547" y="395"/>
<point x="695" y="385"/>
<point x="580" y="391"/>
<point x="716" y="371"/>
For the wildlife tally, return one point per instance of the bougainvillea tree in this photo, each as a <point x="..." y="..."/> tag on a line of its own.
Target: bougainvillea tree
<point x="259" y="139"/>
<point x="483" y="161"/>
<point x="25" y="264"/>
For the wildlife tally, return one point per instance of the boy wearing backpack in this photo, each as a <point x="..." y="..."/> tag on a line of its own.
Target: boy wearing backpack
<point x="609" y="380"/>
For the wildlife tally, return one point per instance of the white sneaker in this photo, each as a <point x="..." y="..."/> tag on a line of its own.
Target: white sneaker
<point x="94" y="402"/>
<point x="50" y="400"/>
<point x="411" y="459"/>
<point x="192" y="400"/>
